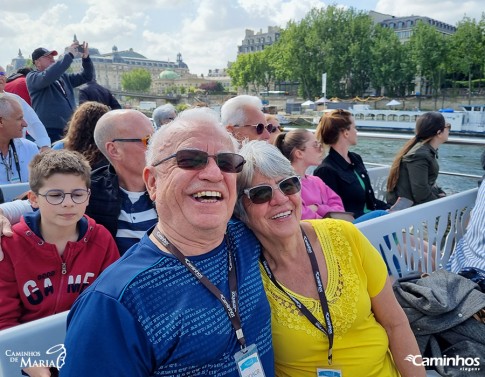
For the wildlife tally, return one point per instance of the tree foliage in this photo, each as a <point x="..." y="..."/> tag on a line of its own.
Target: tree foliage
<point x="212" y="87"/>
<point x="137" y="80"/>
<point x="253" y="71"/>
<point x="467" y="49"/>
<point x="358" y="55"/>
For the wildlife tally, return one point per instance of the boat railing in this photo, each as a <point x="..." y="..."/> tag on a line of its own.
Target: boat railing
<point x="378" y="174"/>
<point x="420" y="238"/>
<point x="29" y="343"/>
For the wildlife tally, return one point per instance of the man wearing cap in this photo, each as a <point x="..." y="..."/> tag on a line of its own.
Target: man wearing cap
<point x="52" y="89"/>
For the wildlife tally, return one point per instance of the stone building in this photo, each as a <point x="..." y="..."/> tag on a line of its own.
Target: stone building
<point x="253" y="42"/>
<point x="111" y="66"/>
<point x="403" y="26"/>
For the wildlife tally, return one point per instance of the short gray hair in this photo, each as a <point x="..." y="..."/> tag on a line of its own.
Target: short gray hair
<point x="162" y="113"/>
<point x="170" y="134"/>
<point x="265" y="159"/>
<point x="233" y="110"/>
<point x="6" y="104"/>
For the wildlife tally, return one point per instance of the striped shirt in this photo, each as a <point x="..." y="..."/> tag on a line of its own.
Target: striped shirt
<point x="470" y="250"/>
<point x="137" y="215"/>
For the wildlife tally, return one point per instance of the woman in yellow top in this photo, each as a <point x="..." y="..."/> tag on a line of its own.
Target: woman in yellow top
<point x="333" y="309"/>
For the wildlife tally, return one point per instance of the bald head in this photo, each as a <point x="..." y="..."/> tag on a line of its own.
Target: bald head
<point x="119" y="124"/>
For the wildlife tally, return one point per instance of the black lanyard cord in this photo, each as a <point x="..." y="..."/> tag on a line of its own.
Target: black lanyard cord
<point x="8" y="165"/>
<point x="231" y="307"/>
<point x="321" y="294"/>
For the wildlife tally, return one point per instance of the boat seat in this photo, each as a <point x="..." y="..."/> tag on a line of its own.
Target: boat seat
<point x="42" y="339"/>
<point x="405" y="237"/>
<point x="13" y="190"/>
<point x="378" y="178"/>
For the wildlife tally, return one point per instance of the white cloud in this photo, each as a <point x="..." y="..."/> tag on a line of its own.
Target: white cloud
<point x="205" y="32"/>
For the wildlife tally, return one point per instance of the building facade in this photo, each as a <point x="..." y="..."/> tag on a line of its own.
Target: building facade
<point x="253" y="42"/>
<point x="404" y="26"/>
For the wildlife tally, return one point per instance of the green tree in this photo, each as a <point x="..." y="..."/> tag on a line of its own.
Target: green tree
<point x="331" y="40"/>
<point x="137" y="80"/>
<point x="429" y="52"/>
<point x="391" y="69"/>
<point x="253" y="70"/>
<point x="212" y="87"/>
<point x="467" y="48"/>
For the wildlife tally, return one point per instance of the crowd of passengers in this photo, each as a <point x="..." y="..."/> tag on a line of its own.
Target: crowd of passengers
<point x="193" y="244"/>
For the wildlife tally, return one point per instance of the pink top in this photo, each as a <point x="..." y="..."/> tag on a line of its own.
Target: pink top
<point x="314" y="191"/>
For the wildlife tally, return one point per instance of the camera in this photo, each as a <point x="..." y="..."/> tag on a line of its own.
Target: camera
<point x="80" y="49"/>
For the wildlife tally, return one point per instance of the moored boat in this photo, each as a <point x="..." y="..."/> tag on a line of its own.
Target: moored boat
<point x="470" y="120"/>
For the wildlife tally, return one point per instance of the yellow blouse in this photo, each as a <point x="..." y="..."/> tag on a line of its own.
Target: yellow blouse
<point x="356" y="272"/>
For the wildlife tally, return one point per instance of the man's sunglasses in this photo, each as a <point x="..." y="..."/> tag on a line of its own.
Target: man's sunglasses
<point x="193" y="159"/>
<point x="260" y="127"/>
<point x="264" y="193"/>
<point x="143" y="140"/>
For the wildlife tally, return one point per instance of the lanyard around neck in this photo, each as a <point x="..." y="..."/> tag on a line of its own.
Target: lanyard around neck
<point x="8" y="165"/>
<point x="321" y="294"/>
<point x="232" y="308"/>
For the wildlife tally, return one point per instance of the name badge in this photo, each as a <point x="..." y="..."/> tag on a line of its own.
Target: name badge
<point x="248" y="362"/>
<point x="328" y="373"/>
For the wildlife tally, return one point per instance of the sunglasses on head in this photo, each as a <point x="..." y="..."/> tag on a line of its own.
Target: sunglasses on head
<point x="260" y="127"/>
<point x="193" y="159"/>
<point x="143" y="140"/>
<point x="264" y="193"/>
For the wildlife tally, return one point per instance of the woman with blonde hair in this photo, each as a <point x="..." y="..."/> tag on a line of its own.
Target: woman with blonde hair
<point x="415" y="169"/>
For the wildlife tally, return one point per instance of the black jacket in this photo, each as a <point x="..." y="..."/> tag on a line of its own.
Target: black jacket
<point x="92" y="91"/>
<point x="341" y="177"/>
<point x="104" y="203"/>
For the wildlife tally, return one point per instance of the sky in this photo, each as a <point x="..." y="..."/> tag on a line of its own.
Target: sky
<point x="205" y="32"/>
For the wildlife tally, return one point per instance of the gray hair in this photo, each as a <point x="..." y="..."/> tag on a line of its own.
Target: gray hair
<point x="6" y="104"/>
<point x="162" y="113"/>
<point x="265" y="159"/>
<point x="170" y="135"/>
<point x="233" y="110"/>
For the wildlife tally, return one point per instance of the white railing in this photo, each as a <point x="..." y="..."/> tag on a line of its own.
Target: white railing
<point x="420" y="238"/>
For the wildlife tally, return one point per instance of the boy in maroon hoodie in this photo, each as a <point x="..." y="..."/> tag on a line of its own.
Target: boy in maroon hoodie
<point x="56" y="251"/>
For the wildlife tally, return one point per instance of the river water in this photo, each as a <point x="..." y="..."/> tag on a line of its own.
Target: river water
<point x="456" y="158"/>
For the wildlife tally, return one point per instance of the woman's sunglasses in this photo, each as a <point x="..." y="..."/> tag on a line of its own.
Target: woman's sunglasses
<point x="260" y="127"/>
<point x="264" y="193"/>
<point x="193" y="159"/>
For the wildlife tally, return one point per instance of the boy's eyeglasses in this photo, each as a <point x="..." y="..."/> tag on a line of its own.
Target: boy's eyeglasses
<point x="56" y="197"/>
<point x="193" y="159"/>
<point x="143" y="140"/>
<point x="264" y="193"/>
<point x="260" y="127"/>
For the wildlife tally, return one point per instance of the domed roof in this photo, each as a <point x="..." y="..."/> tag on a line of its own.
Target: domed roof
<point x="168" y="75"/>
